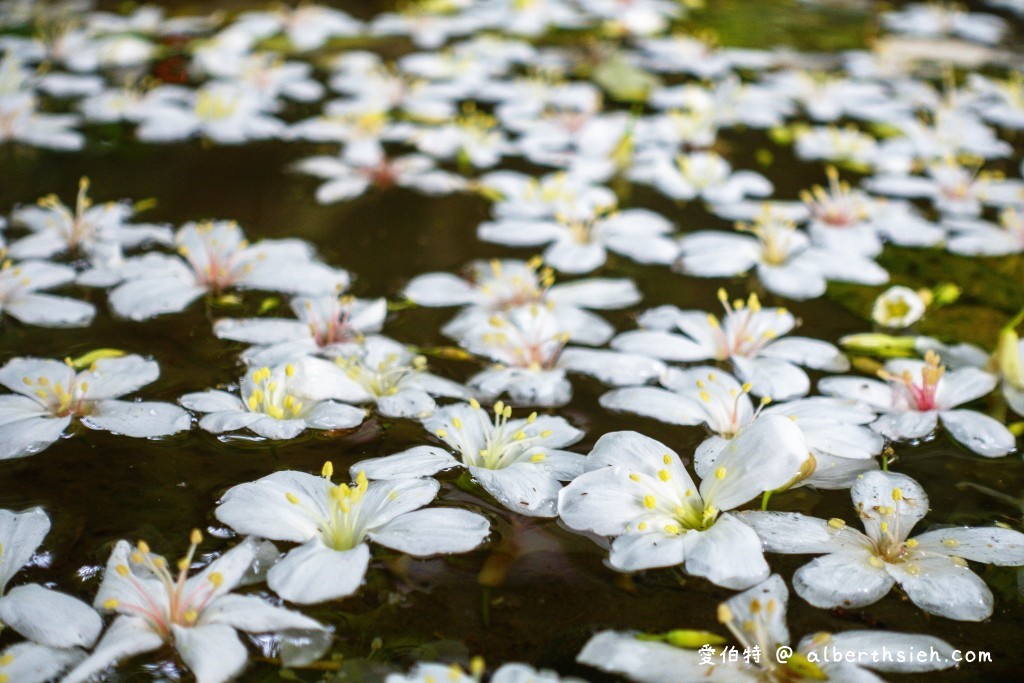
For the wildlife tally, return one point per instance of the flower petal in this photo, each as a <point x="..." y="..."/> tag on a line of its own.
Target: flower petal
<point x="213" y="652"/>
<point x="845" y="579"/>
<point x="433" y="531"/>
<point x="315" y="573"/>
<point x="50" y="618"/>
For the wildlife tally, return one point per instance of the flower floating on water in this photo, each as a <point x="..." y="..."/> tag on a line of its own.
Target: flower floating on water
<point x="57" y="228"/>
<point x="20" y="296"/>
<point x="50" y="395"/>
<point x="971" y="237"/>
<point x="323" y="325"/>
<point x="213" y="258"/>
<point x="636" y="491"/>
<point x="430" y="672"/>
<point x="56" y="625"/>
<point x="197" y="615"/>
<point x="272" y="405"/>
<point x="519" y="462"/>
<point x="748" y="337"/>
<point x="699" y="174"/>
<point x="757" y="620"/>
<point x="858" y="569"/>
<point x="500" y="285"/>
<point x="898" y="307"/>
<point x="335" y="522"/>
<point x="915" y="395"/>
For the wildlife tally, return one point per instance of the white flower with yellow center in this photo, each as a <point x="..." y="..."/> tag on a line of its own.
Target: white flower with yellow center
<point x="857" y="569"/>
<point x="335" y="522"/>
<point x="57" y="228"/>
<point x="323" y="325"/>
<point x="197" y="615"/>
<point x="913" y="396"/>
<point x="636" y="491"/>
<point x="749" y="337"/>
<point x="272" y="405"/>
<point x="783" y="257"/>
<point x="898" y="307"/>
<point x="698" y="174"/>
<point x="972" y="237"/>
<point x="757" y="620"/>
<point x="50" y="395"/>
<point x="519" y="462"/>
<point x="430" y="672"/>
<point x="56" y="625"/>
<point x="500" y="285"/>
<point x="215" y="257"/>
<point x="20" y="297"/>
<point x="225" y="112"/>
<point x="379" y="371"/>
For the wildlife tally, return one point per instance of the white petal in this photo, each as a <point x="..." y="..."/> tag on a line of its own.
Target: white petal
<point x="792" y="532"/>
<point x="845" y="579"/>
<point x="20" y="534"/>
<point x="980" y="433"/>
<point x="728" y="554"/>
<point x="637" y="551"/>
<point x="263" y="508"/>
<point x="148" y="297"/>
<point x="315" y="573"/>
<point x="32" y="663"/>
<point x="660" y="404"/>
<point x="906" y="426"/>
<point x="138" y="419"/>
<point x="441" y="289"/>
<point x="212" y="401"/>
<point x="521" y="487"/>
<point x="938" y="585"/>
<point x="811" y="353"/>
<point x="771" y="377"/>
<point x="50" y="311"/>
<point x="254" y="615"/>
<point x="126" y="636"/>
<point x="994" y="545"/>
<point x="419" y="461"/>
<point x="30" y="435"/>
<point x="50" y="618"/>
<point x="213" y="653"/>
<point x="333" y="415"/>
<point x="433" y="531"/>
<point x="611" y="367"/>
<point x="793" y="281"/>
<point x="902" y="650"/>
<point x="663" y="345"/>
<point x="642" y="661"/>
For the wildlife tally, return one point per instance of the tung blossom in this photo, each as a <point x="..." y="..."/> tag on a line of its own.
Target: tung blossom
<point x="757" y="620"/>
<point x="635" y="491"/>
<point x="197" y="615"/>
<point x="213" y="258"/>
<point x="857" y="569"/>
<point x="519" y="462"/>
<point x="21" y="298"/>
<point x="749" y="337"/>
<point x="915" y="395"/>
<point x="335" y="522"/>
<point x="56" y="625"/>
<point x="50" y="395"/>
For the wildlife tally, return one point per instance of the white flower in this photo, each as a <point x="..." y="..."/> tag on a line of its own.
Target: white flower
<point x="500" y="285"/>
<point x="531" y="359"/>
<point x="52" y="395"/>
<point x="21" y="299"/>
<point x="757" y="620"/>
<point x="224" y="112"/>
<point x="322" y="325"/>
<point x="429" y="672"/>
<point x="307" y="27"/>
<point x="57" y="229"/>
<point x="955" y="190"/>
<point x="698" y="174"/>
<point x="842" y="446"/>
<point x="971" y="237"/>
<point x="56" y="625"/>
<point x="838" y="145"/>
<point x="473" y="138"/>
<point x="215" y="257"/>
<point x="917" y="394"/>
<point x="21" y="122"/>
<point x="936" y="20"/>
<point x="198" y="616"/>
<point x="379" y="371"/>
<point x="898" y="307"/>
<point x="518" y="195"/>
<point x="272" y="405"/>
<point x="785" y="261"/>
<point x="335" y="522"/>
<point x="636" y="491"/>
<point x="580" y="239"/>
<point x="519" y="462"/>
<point x="363" y="166"/>
<point x="748" y="337"/>
<point x="858" y="569"/>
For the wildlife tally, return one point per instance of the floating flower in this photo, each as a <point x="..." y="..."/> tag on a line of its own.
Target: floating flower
<point x="323" y="325"/>
<point x="857" y="569"/>
<point x="757" y="620"/>
<point x="898" y="307"/>
<point x="916" y="394"/>
<point x="783" y="257"/>
<point x="52" y="395"/>
<point x="699" y="174"/>
<point x="636" y="491"/>
<point x="519" y="462"/>
<point x="20" y="296"/>
<point x="500" y="285"/>
<point x="971" y="237"/>
<point x="272" y="405"/>
<point x="56" y="625"/>
<point x="430" y="672"/>
<point x="335" y="522"/>
<point x="214" y="258"/>
<point x="198" y="616"/>
<point x="749" y="337"/>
